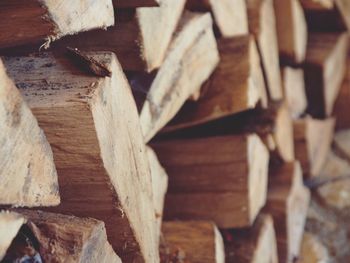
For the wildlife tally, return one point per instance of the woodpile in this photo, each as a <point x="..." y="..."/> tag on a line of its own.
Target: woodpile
<point x="174" y="131"/>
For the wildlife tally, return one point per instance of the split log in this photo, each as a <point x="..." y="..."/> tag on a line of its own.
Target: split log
<point x="236" y="85"/>
<point x="140" y="41"/>
<point x="274" y="125"/>
<point x="324" y="71"/>
<point x="252" y="245"/>
<point x="288" y="202"/>
<point x="262" y="24"/>
<point x="199" y="241"/>
<point x="27" y="171"/>
<point x="135" y="3"/>
<point x="291" y="31"/>
<point x="312" y="250"/>
<point x="327" y="15"/>
<point x="230" y="16"/>
<point x="342" y="143"/>
<point x="193" y="56"/>
<point x="35" y="21"/>
<point x="312" y="142"/>
<point x="10" y="224"/>
<point x="294" y="90"/>
<point x="239" y="165"/>
<point x="101" y="175"/>
<point x="336" y="194"/>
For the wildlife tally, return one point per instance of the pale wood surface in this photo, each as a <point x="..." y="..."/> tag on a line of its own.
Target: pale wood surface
<point x="27" y="171"/>
<point x="312" y="250"/>
<point x="100" y="174"/>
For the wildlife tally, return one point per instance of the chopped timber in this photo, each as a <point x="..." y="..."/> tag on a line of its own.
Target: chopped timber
<point x="10" y="224"/>
<point x="135" y="3"/>
<point x="92" y="125"/>
<point x="312" y="250"/>
<point x="40" y="22"/>
<point x="199" y="241"/>
<point x="27" y="171"/>
<point x="288" y="202"/>
<point x="324" y="71"/>
<point x="239" y="165"/>
<point x="262" y="24"/>
<point x="252" y="245"/>
<point x="192" y="57"/>
<point x="230" y="15"/>
<point x="294" y="90"/>
<point x="236" y="85"/>
<point x="140" y="41"/>
<point x="312" y="142"/>
<point x="342" y="143"/>
<point x="317" y="4"/>
<point x="291" y="31"/>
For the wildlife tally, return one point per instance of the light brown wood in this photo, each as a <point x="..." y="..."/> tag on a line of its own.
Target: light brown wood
<point x="199" y="241"/>
<point x="236" y="85"/>
<point x="10" y="223"/>
<point x="262" y="24"/>
<point x="253" y="245"/>
<point x="291" y="31"/>
<point x="35" y="21"/>
<point x="135" y="3"/>
<point x="294" y="90"/>
<point x="324" y="71"/>
<point x="239" y="165"/>
<point x="312" y="140"/>
<point x="230" y="15"/>
<point x="140" y="41"/>
<point x="61" y="238"/>
<point x="288" y="202"/>
<point x="27" y="171"/>
<point x="312" y="250"/>
<point x="192" y="57"/>
<point x="317" y="4"/>
<point x="93" y="128"/>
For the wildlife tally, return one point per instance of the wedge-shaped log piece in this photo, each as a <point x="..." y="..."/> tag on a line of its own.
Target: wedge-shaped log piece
<point x="288" y="201"/>
<point x="262" y="23"/>
<point x="312" y="250"/>
<point x="236" y="85"/>
<point x="27" y="171"/>
<point x="291" y="30"/>
<point x="252" y="245"/>
<point x="93" y="128"/>
<point x="312" y="141"/>
<point x="324" y="71"/>
<point x="230" y="15"/>
<point x="140" y="40"/>
<point x="294" y="90"/>
<point x="193" y="56"/>
<point x="35" y="21"/>
<point x="10" y="224"/>
<point x="199" y="241"/>
<point x="239" y="165"/>
<point x="135" y="3"/>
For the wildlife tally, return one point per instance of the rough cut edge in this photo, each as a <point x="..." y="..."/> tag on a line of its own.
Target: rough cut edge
<point x="10" y="224"/>
<point x="219" y="246"/>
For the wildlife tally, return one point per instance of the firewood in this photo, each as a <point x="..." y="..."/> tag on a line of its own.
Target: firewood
<point x="32" y="22"/>
<point x="193" y="56"/>
<point x="262" y="24"/>
<point x="294" y="90"/>
<point x="10" y="223"/>
<point x="291" y="31"/>
<point x="27" y="171"/>
<point x="50" y="237"/>
<point x="252" y="245"/>
<point x="327" y="15"/>
<point x="135" y="3"/>
<point x="93" y="128"/>
<point x="239" y="165"/>
<point x="230" y="16"/>
<point x="199" y="241"/>
<point x="341" y="143"/>
<point x="140" y="41"/>
<point x="312" y="250"/>
<point x="324" y="71"/>
<point x="236" y="85"/>
<point x="287" y="202"/>
<point x="312" y="141"/>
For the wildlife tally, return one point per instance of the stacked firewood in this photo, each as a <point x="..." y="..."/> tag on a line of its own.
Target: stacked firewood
<point x="172" y="130"/>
